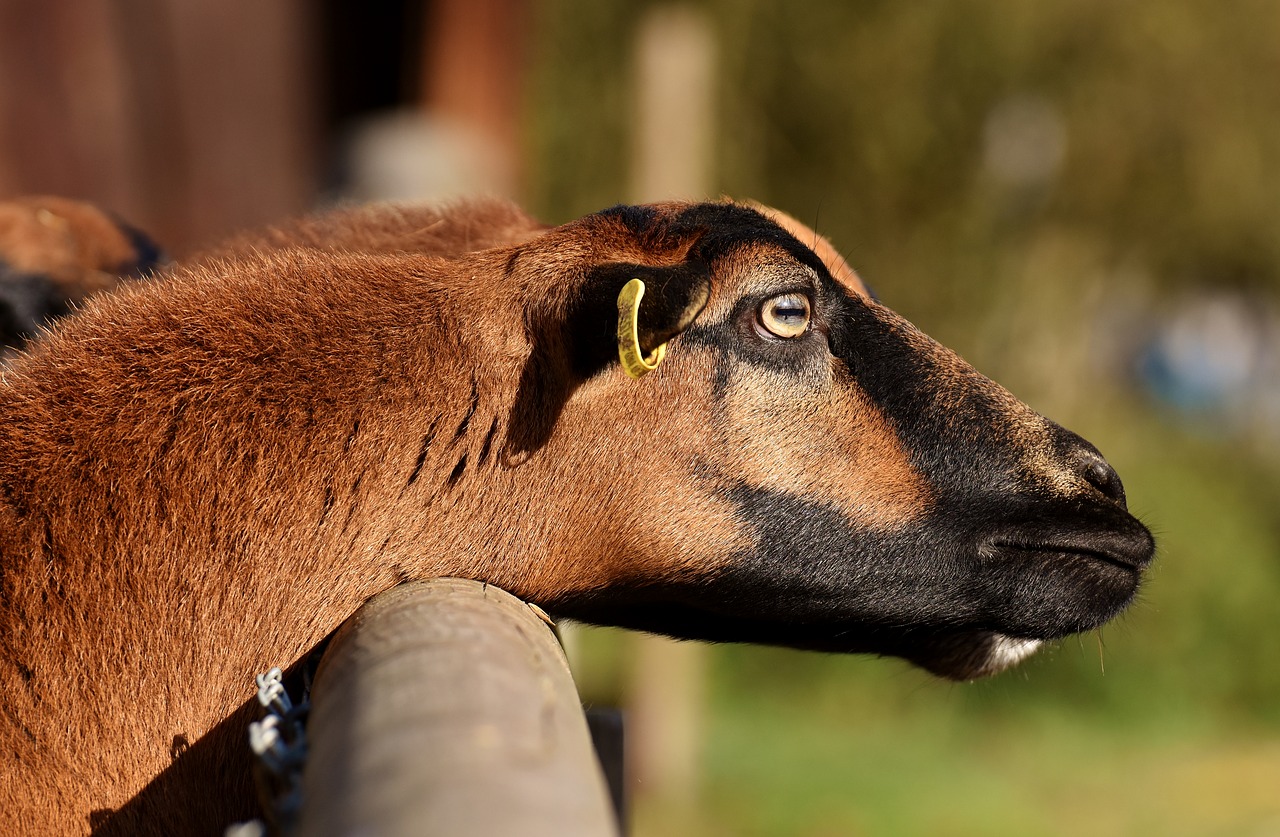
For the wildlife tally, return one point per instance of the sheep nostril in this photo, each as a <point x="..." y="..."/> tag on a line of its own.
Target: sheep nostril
<point x="1098" y="473"/>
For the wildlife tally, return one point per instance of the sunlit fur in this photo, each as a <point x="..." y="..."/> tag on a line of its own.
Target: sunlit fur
<point x="203" y="474"/>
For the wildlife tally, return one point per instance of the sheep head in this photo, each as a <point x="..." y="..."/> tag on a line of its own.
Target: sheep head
<point x="805" y="467"/>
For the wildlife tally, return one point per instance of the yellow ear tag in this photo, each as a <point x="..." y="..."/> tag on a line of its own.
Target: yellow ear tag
<point x="636" y="364"/>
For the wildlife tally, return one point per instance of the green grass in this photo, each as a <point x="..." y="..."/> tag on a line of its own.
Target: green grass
<point x="786" y="770"/>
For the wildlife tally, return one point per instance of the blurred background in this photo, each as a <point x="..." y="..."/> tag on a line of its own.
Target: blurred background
<point x="1082" y="198"/>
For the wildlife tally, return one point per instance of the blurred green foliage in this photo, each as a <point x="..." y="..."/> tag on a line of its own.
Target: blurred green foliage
<point x="869" y="118"/>
<point x="880" y="110"/>
<point x="882" y="123"/>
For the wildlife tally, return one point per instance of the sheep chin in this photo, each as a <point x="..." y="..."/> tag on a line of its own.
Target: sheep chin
<point x="972" y="656"/>
<point x="1006" y="652"/>
<point x="997" y="653"/>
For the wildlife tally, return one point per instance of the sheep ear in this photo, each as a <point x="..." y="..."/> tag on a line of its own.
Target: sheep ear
<point x="651" y="305"/>
<point x="580" y="339"/>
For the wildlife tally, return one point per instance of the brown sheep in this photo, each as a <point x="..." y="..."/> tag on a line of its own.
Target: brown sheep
<point x="201" y="476"/>
<point x="54" y="253"/>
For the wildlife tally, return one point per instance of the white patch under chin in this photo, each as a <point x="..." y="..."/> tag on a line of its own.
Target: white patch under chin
<point x="1007" y="651"/>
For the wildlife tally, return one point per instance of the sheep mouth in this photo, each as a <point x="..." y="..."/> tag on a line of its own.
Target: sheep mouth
<point x="1129" y="555"/>
<point x="1102" y="559"/>
<point x="1123" y="547"/>
<point x="1038" y="586"/>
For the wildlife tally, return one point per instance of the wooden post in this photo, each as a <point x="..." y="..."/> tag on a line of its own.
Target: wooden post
<point x="475" y="62"/>
<point x="675" y="132"/>
<point x="447" y="708"/>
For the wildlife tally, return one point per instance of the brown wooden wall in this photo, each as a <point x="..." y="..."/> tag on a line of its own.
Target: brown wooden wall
<point x="195" y="118"/>
<point x="190" y="118"/>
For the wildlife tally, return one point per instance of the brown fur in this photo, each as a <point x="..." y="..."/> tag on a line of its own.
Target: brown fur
<point x="447" y="230"/>
<point x="202" y="476"/>
<point x="102" y="429"/>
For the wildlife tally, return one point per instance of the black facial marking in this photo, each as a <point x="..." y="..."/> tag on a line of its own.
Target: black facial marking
<point x="736" y="342"/>
<point x="717" y="228"/>
<point x="820" y="563"/>
<point x="957" y="567"/>
<point x="813" y="579"/>
<point x="948" y="425"/>
<point x="639" y="220"/>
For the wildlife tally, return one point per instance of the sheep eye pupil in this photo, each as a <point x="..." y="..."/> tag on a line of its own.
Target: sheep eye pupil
<point x="786" y="315"/>
<point x="789" y="315"/>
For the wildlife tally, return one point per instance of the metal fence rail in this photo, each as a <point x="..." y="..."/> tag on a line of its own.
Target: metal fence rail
<point x="446" y="708"/>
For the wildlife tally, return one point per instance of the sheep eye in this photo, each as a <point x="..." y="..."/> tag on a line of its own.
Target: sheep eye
<point x="785" y="315"/>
